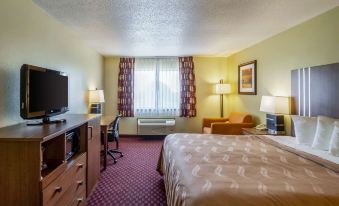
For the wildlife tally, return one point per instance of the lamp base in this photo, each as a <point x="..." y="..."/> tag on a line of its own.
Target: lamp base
<point x="275" y="124"/>
<point x="221" y="105"/>
<point x="96" y="108"/>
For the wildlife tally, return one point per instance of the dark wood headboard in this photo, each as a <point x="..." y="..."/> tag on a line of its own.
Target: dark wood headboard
<point x="315" y="91"/>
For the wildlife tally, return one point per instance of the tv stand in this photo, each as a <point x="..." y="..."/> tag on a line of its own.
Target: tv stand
<point x="35" y="168"/>
<point x="47" y="120"/>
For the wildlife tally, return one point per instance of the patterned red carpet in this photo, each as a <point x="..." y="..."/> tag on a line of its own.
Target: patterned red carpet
<point x="133" y="180"/>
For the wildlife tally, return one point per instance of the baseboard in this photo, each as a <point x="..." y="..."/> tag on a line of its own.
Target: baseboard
<point x="142" y="136"/>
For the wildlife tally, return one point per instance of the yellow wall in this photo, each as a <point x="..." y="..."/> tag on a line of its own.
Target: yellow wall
<point x="29" y="35"/>
<point x="34" y="37"/>
<point x="315" y="42"/>
<point x="208" y="71"/>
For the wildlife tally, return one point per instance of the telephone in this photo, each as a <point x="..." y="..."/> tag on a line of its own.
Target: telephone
<point x="261" y="127"/>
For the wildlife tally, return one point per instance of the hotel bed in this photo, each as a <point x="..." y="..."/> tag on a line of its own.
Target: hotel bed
<point x="201" y="169"/>
<point x="244" y="170"/>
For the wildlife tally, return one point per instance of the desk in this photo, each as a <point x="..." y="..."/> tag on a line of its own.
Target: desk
<point x="104" y="126"/>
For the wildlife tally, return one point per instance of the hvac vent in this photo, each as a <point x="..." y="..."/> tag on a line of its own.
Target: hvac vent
<point x="155" y="126"/>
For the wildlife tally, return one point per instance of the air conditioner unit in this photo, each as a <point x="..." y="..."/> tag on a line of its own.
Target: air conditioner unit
<point x="155" y="126"/>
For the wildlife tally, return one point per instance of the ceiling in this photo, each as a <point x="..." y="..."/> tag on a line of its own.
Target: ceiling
<point x="180" y="27"/>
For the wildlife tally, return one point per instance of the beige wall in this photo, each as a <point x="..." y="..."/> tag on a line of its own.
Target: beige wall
<point x="29" y="35"/>
<point x="315" y="42"/>
<point x="208" y="71"/>
<point x="34" y="37"/>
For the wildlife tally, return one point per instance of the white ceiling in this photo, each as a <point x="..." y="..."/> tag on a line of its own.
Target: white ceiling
<point x="180" y="27"/>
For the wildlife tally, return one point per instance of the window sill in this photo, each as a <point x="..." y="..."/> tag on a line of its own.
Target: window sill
<point x="156" y="116"/>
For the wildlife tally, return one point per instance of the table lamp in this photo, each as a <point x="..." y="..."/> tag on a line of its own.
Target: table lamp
<point x="275" y="107"/>
<point x="222" y="89"/>
<point x="96" y="98"/>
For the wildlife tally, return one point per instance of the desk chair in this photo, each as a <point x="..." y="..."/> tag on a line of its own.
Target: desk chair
<point x="113" y="136"/>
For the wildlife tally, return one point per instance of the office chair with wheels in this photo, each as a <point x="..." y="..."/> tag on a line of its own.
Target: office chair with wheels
<point x="113" y="136"/>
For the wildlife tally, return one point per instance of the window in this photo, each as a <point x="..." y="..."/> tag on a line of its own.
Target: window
<point x="156" y="87"/>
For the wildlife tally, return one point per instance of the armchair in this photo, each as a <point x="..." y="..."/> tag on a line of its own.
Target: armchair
<point x="229" y="126"/>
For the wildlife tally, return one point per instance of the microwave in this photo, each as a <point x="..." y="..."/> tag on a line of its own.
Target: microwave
<point x="72" y="144"/>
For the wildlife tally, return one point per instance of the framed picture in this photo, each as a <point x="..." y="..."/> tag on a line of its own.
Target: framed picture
<point x="247" y="78"/>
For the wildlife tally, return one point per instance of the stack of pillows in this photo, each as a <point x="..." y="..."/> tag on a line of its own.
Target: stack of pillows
<point x="317" y="132"/>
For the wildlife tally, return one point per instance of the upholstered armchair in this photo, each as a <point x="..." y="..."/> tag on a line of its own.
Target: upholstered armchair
<point x="230" y="126"/>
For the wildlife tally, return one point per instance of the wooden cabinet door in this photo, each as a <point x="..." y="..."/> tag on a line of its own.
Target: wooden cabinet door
<point x="93" y="153"/>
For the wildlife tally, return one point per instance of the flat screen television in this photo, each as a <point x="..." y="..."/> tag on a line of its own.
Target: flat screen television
<point x="44" y="93"/>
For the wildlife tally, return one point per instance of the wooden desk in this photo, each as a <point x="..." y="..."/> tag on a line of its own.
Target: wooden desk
<point x="104" y="126"/>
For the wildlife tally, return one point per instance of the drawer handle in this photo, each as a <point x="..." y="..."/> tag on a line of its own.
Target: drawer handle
<point x="80" y="165"/>
<point x="80" y="199"/>
<point x="91" y="127"/>
<point x="80" y="182"/>
<point x="58" y="189"/>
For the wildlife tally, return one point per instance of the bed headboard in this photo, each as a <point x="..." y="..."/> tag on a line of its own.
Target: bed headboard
<point x="315" y="91"/>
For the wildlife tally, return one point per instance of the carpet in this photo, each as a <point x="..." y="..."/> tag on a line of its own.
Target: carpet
<point x="133" y="180"/>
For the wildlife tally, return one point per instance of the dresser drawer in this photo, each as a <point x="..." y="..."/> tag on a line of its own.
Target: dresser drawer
<point x="64" y="188"/>
<point x="79" y="199"/>
<point x="78" y="187"/>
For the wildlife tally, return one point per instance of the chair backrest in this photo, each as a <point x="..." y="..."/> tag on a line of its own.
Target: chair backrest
<point x="113" y="135"/>
<point x="115" y="124"/>
<point x="236" y="117"/>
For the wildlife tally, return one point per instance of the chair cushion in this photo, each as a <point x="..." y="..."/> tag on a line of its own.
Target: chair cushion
<point x="240" y="118"/>
<point x="207" y="130"/>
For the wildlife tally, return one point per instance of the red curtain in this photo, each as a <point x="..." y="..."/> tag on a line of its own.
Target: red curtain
<point x="187" y="87"/>
<point x="126" y="87"/>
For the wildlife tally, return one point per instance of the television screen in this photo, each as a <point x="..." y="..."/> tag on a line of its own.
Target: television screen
<point x="47" y="91"/>
<point x="44" y="92"/>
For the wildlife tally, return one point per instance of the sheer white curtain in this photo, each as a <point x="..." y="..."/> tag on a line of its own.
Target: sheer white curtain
<point x="156" y="87"/>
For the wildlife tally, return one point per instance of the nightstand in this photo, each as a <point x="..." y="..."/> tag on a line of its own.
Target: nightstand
<point x="254" y="131"/>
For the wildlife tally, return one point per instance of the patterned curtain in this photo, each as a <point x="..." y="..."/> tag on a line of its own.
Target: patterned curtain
<point x="125" y="87"/>
<point x="187" y="87"/>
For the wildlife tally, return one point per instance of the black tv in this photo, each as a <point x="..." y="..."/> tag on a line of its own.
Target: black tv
<point x="43" y="93"/>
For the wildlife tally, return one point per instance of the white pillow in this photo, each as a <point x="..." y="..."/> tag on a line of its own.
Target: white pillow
<point x="304" y="129"/>
<point x="323" y="133"/>
<point x="334" y="145"/>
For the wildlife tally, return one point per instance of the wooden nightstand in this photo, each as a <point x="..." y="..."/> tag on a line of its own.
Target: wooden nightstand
<point x="253" y="131"/>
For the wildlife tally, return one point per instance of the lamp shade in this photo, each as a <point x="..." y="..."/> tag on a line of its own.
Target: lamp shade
<point x="222" y="88"/>
<point x="96" y="96"/>
<point x="275" y="105"/>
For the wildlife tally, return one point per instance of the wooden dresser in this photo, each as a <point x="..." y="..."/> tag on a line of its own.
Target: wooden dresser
<point x="33" y="166"/>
